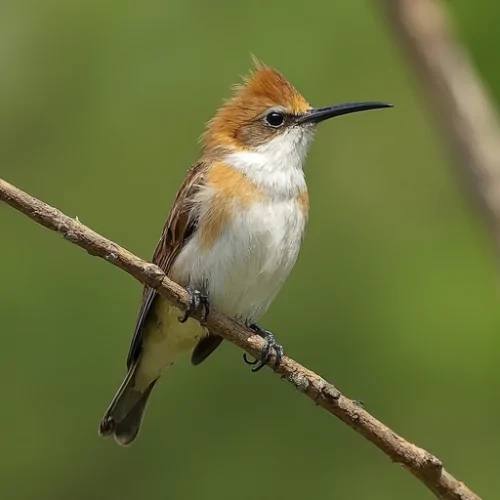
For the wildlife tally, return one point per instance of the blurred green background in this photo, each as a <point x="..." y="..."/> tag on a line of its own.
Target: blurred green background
<point x="393" y="298"/>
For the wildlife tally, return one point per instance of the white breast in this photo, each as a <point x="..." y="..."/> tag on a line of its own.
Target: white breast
<point x="245" y="269"/>
<point x="258" y="247"/>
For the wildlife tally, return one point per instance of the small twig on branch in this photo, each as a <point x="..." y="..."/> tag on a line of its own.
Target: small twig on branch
<point x="456" y="95"/>
<point x="418" y="461"/>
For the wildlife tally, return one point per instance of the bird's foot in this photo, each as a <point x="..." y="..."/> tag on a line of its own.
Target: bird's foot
<point x="197" y="301"/>
<point x="266" y="353"/>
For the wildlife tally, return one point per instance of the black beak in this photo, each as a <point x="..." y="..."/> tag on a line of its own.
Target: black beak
<point x="317" y="115"/>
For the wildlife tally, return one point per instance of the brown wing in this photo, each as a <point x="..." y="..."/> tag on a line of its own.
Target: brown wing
<point x="180" y="226"/>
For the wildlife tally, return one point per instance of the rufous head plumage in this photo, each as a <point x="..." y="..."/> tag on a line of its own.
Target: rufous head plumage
<point x="264" y="106"/>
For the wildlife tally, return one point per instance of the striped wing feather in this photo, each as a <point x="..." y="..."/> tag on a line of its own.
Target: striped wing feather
<point x="180" y="226"/>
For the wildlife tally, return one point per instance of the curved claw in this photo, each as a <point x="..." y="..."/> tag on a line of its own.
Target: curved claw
<point x="258" y="364"/>
<point x="247" y="361"/>
<point x="258" y="367"/>
<point x="196" y="300"/>
<point x="184" y="317"/>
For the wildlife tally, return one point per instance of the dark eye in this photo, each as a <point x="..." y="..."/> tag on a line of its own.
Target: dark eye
<point x="275" y="118"/>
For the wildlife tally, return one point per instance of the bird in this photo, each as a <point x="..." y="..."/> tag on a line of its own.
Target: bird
<point x="232" y="237"/>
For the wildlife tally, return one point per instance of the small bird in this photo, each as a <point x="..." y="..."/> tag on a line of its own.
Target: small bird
<point x="232" y="237"/>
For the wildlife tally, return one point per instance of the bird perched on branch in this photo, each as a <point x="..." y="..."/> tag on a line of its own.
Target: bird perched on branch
<point x="232" y="236"/>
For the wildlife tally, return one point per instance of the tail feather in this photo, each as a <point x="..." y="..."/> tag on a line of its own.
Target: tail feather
<point x="126" y="430"/>
<point x="123" y="418"/>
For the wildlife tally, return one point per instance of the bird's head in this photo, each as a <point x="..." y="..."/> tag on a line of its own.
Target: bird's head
<point x="267" y="114"/>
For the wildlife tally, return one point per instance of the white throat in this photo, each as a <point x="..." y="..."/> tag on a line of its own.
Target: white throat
<point x="278" y="165"/>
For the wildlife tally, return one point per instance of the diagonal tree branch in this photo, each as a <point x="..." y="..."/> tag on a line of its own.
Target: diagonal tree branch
<point x="426" y="467"/>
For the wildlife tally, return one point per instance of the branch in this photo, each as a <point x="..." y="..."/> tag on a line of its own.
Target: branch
<point x="456" y="95"/>
<point x="426" y="467"/>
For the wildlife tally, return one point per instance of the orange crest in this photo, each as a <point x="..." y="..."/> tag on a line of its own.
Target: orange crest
<point x="263" y="89"/>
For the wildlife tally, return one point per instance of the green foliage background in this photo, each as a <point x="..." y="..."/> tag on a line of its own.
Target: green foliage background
<point x="393" y="298"/>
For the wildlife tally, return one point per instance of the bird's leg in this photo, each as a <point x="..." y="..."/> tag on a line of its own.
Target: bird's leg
<point x="266" y="353"/>
<point x="196" y="301"/>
